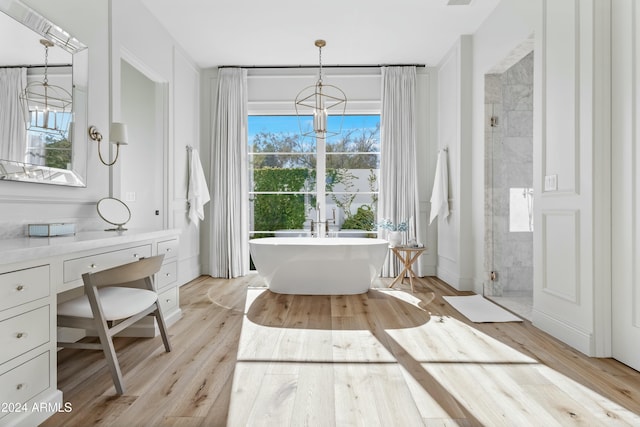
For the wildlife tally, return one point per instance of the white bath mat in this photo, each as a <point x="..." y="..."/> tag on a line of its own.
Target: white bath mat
<point x="480" y="310"/>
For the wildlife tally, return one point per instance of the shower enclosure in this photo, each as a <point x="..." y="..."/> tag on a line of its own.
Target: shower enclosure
<point x="509" y="194"/>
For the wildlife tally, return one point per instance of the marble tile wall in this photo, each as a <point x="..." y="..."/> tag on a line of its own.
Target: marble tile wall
<point x="508" y="164"/>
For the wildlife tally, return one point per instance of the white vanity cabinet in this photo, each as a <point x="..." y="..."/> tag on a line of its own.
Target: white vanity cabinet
<point x="167" y="277"/>
<point x="74" y="268"/>
<point x="36" y="274"/>
<point x="76" y="264"/>
<point x="28" y="392"/>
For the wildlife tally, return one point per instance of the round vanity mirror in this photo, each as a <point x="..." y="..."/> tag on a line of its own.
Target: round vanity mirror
<point x="115" y="212"/>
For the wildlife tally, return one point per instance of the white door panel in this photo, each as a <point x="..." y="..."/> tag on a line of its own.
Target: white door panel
<point x="625" y="192"/>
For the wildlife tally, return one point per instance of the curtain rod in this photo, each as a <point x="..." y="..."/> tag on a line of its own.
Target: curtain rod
<point x="323" y="66"/>
<point x="37" y="66"/>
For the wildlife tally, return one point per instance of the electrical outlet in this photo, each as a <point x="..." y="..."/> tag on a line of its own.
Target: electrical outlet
<point x="130" y="196"/>
<point x="551" y="183"/>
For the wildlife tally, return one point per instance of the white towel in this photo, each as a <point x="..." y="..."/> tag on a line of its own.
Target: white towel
<point x="198" y="192"/>
<point x="440" y="193"/>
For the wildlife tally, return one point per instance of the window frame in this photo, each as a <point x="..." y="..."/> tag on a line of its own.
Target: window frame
<point x="320" y="192"/>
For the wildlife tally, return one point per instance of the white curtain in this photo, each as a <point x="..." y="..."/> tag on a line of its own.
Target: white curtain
<point x="13" y="132"/>
<point x="398" y="199"/>
<point x="229" y="203"/>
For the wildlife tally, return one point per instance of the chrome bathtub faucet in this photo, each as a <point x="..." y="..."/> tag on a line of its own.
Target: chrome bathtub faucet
<point x="326" y="227"/>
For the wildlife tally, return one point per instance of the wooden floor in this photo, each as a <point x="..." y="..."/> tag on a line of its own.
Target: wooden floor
<point x="245" y="356"/>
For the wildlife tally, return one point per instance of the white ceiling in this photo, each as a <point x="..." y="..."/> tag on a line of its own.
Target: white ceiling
<point x="282" y="32"/>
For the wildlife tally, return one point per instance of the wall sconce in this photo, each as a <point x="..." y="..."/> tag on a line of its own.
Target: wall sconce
<point x="117" y="136"/>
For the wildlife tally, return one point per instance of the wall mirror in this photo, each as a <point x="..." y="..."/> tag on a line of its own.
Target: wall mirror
<point x="43" y="136"/>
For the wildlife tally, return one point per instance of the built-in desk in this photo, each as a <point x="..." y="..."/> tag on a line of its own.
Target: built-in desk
<point x="35" y="273"/>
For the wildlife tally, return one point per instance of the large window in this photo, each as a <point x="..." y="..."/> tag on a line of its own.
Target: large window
<point x="285" y="171"/>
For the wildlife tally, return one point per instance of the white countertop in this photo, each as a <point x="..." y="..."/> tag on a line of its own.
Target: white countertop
<point x="28" y="248"/>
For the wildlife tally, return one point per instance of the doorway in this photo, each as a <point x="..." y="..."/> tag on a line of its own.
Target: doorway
<point x="509" y="193"/>
<point x="142" y="182"/>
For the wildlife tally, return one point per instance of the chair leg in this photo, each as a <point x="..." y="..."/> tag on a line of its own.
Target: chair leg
<point x="163" y="327"/>
<point x="112" y="360"/>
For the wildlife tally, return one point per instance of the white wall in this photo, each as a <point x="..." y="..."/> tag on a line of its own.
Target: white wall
<point x="186" y="94"/>
<point x="454" y="116"/>
<point x="154" y="53"/>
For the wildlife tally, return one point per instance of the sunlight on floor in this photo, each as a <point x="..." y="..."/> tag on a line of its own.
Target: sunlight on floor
<point x="366" y="368"/>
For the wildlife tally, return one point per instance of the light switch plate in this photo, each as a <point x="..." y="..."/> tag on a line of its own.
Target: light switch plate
<point x="551" y="183"/>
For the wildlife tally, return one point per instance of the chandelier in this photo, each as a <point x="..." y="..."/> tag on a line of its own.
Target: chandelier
<point x="316" y="101"/>
<point x="47" y="107"/>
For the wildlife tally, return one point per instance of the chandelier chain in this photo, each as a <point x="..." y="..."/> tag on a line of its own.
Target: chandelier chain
<point x="320" y="61"/>
<point x="46" y="63"/>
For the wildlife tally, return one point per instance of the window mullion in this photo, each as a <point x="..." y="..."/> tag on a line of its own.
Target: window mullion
<point x="321" y="179"/>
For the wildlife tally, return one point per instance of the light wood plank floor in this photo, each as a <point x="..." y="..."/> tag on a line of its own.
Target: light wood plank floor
<point x="245" y="356"/>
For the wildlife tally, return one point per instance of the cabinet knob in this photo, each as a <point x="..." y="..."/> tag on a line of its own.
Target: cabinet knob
<point x="21" y="335"/>
<point x="167" y="300"/>
<point x="168" y="275"/>
<point x="136" y="256"/>
<point x="20" y="288"/>
<point x="93" y="266"/>
<point x="168" y="249"/>
<point x="19" y="386"/>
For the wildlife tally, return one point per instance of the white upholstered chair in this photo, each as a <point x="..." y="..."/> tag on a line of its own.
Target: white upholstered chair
<point x="114" y="299"/>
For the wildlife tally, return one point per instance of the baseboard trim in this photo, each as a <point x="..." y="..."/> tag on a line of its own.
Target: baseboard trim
<point x="580" y="340"/>
<point x="188" y="269"/>
<point x="454" y="280"/>
<point x="429" y="270"/>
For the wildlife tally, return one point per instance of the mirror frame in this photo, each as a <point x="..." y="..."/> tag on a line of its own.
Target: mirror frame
<point x="106" y="212"/>
<point x="75" y="177"/>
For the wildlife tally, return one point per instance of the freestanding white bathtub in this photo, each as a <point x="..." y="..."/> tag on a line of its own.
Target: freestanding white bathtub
<point x="318" y="266"/>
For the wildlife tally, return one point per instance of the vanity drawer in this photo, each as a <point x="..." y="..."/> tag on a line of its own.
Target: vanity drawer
<point x="169" y="248"/>
<point x="75" y="268"/>
<point x="24" y="332"/>
<point x="168" y="300"/>
<point x="24" y="382"/>
<point x="167" y="275"/>
<point x="22" y="286"/>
